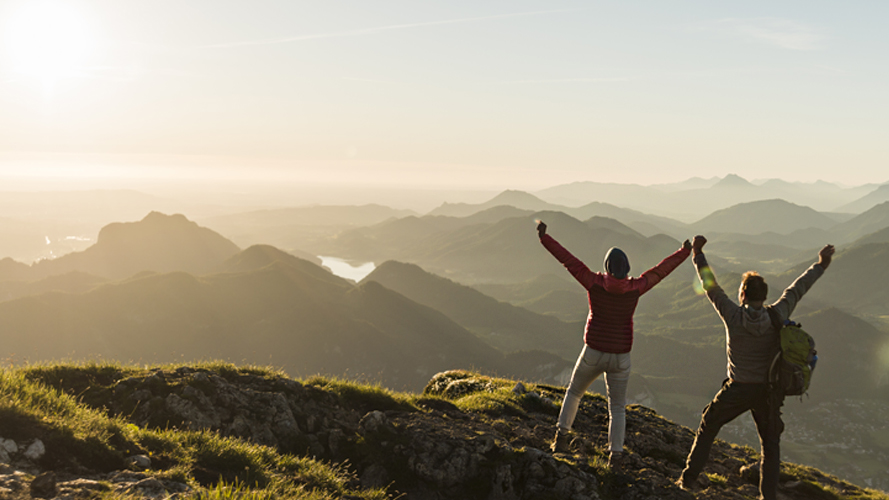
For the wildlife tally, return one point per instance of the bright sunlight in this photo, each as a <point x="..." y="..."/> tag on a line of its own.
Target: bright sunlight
<point x="48" y="40"/>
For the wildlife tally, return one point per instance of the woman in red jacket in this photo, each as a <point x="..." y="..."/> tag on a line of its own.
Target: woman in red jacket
<point x="608" y="337"/>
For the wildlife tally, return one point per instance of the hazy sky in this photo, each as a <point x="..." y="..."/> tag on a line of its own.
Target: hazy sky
<point x="486" y="94"/>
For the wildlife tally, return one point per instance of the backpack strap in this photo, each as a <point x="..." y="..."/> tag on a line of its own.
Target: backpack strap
<point x="774" y="369"/>
<point x="776" y="321"/>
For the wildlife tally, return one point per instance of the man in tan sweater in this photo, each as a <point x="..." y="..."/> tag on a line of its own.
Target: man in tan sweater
<point x="751" y="344"/>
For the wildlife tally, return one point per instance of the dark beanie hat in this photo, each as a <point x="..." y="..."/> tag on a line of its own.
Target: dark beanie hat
<point x="616" y="263"/>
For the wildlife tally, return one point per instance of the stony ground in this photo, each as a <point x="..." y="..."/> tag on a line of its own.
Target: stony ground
<point x="467" y="437"/>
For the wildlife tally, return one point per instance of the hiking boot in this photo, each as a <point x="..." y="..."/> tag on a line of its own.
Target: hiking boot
<point x="694" y="485"/>
<point x="615" y="461"/>
<point x="561" y="442"/>
<point x="685" y="486"/>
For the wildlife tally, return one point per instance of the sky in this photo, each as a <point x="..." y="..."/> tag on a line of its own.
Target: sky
<point x="496" y="94"/>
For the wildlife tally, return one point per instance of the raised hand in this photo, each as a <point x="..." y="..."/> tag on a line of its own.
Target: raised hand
<point x="541" y="229"/>
<point x="826" y="255"/>
<point x="698" y="244"/>
<point x="686" y="245"/>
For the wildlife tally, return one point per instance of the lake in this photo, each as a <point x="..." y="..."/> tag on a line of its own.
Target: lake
<point x="346" y="269"/>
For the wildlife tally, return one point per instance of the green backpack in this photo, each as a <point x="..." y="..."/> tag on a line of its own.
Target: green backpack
<point x="791" y="370"/>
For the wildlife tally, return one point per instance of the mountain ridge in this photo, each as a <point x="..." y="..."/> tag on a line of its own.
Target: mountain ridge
<point x="466" y="436"/>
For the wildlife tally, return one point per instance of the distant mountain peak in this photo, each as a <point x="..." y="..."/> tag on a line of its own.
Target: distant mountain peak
<point x="511" y="197"/>
<point x="158" y="242"/>
<point x="733" y="181"/>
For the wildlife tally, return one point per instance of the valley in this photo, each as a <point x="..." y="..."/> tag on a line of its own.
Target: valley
<point x="467" y="286"/>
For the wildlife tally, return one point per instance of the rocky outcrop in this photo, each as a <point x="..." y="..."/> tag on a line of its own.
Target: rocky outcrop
<point x="467" y="437"/>
<point x="21" y="477"/>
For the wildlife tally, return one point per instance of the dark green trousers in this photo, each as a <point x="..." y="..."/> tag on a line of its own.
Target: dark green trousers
<point x="731" y="401"/>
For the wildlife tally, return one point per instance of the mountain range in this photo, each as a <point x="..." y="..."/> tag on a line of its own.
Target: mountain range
<point x="685" y="201"/>
<point x="502" y="325"/>
<point x="164" y="289"/>
<point x="259" y="306"/>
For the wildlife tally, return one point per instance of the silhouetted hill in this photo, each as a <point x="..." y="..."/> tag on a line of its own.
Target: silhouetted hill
<point x="517" y="199"/>
<point x="48" y="224"/>
<point x="527" y="290"/>
<point x="73" y="282"/>
<point x="733" y="181"/>
<point x="158" y="242"/>
<point x="506" y="251"/>
<point x="509" y="250"/>
<point x="757" y="217"/>
<point x="598" y="222"/>
<point x="259" y="256"/>
<point x="855" y="281"/>
<point x="850" y="363"/>
<point x="688" y="200"/>
<point x="525" y="201"/>
<point x="868" y="201"/>
<point x="399" y="238"/>
<point x="545" y="294"/>
<point x="881" y="236"/>
<point x="582" y="192"/>
<point x="645" y="224"/>
<point x="388" y="240"/>
<point x="496" y="214"/>
<point x="871" y="221"/>
<point x="506" y="327"/>
<point x="267" y="307"/>
<point x="11" y="270"/>
<point x="567" y="305"/>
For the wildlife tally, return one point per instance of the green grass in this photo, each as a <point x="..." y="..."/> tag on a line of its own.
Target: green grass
<point x="717" y="479"/>
<point x="816" y="485"/>
<point x="364" y="397"/>
<point x="48" y="402"/>
<point x="493" y="396"/>
<point x="216" y="467"/>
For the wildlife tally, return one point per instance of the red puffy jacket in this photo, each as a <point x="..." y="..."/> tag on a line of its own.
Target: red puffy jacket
<point x="609" y="326"/>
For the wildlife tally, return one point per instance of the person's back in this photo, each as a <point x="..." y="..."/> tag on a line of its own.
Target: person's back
<point x="608" y="336"/>
<point x="613" y="295"/>
<point x="751" y="344"/>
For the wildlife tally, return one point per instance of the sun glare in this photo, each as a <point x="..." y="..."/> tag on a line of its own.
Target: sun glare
<point x="48" y="40"/>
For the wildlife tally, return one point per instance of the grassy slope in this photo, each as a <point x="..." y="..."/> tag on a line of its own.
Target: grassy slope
<point x="78" y="435"/>
<point x="35" y="403"/>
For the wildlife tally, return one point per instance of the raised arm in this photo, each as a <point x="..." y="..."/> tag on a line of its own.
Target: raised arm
<point x="657" y="273"/>
<point x="726" y="308"/>
<point x="792" y="294"/>
<point x="574" y="266"/>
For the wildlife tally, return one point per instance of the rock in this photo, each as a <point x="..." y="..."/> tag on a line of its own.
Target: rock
<point x="375" y="476"/>
<point x="750" y="473"/>
<point x="519" y="389"/>
<point x="502" y="484"/>
<point x="35" y="451"/>
<point x="9" y="446"/>
<point x="80" y="488"/>
<point x="44" y="485"/>
<point x="150" y="487"/>
<point x="138" y="462"/>
<point x="373" y="422"/>
<point x="189" y="413"/>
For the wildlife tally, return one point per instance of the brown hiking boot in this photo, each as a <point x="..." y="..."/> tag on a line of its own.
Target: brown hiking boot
<point x="561" y="442"/>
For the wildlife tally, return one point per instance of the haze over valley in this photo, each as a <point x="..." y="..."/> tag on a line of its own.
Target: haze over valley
<point x="352" y="190"/>
<point x="464" y="285"/>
